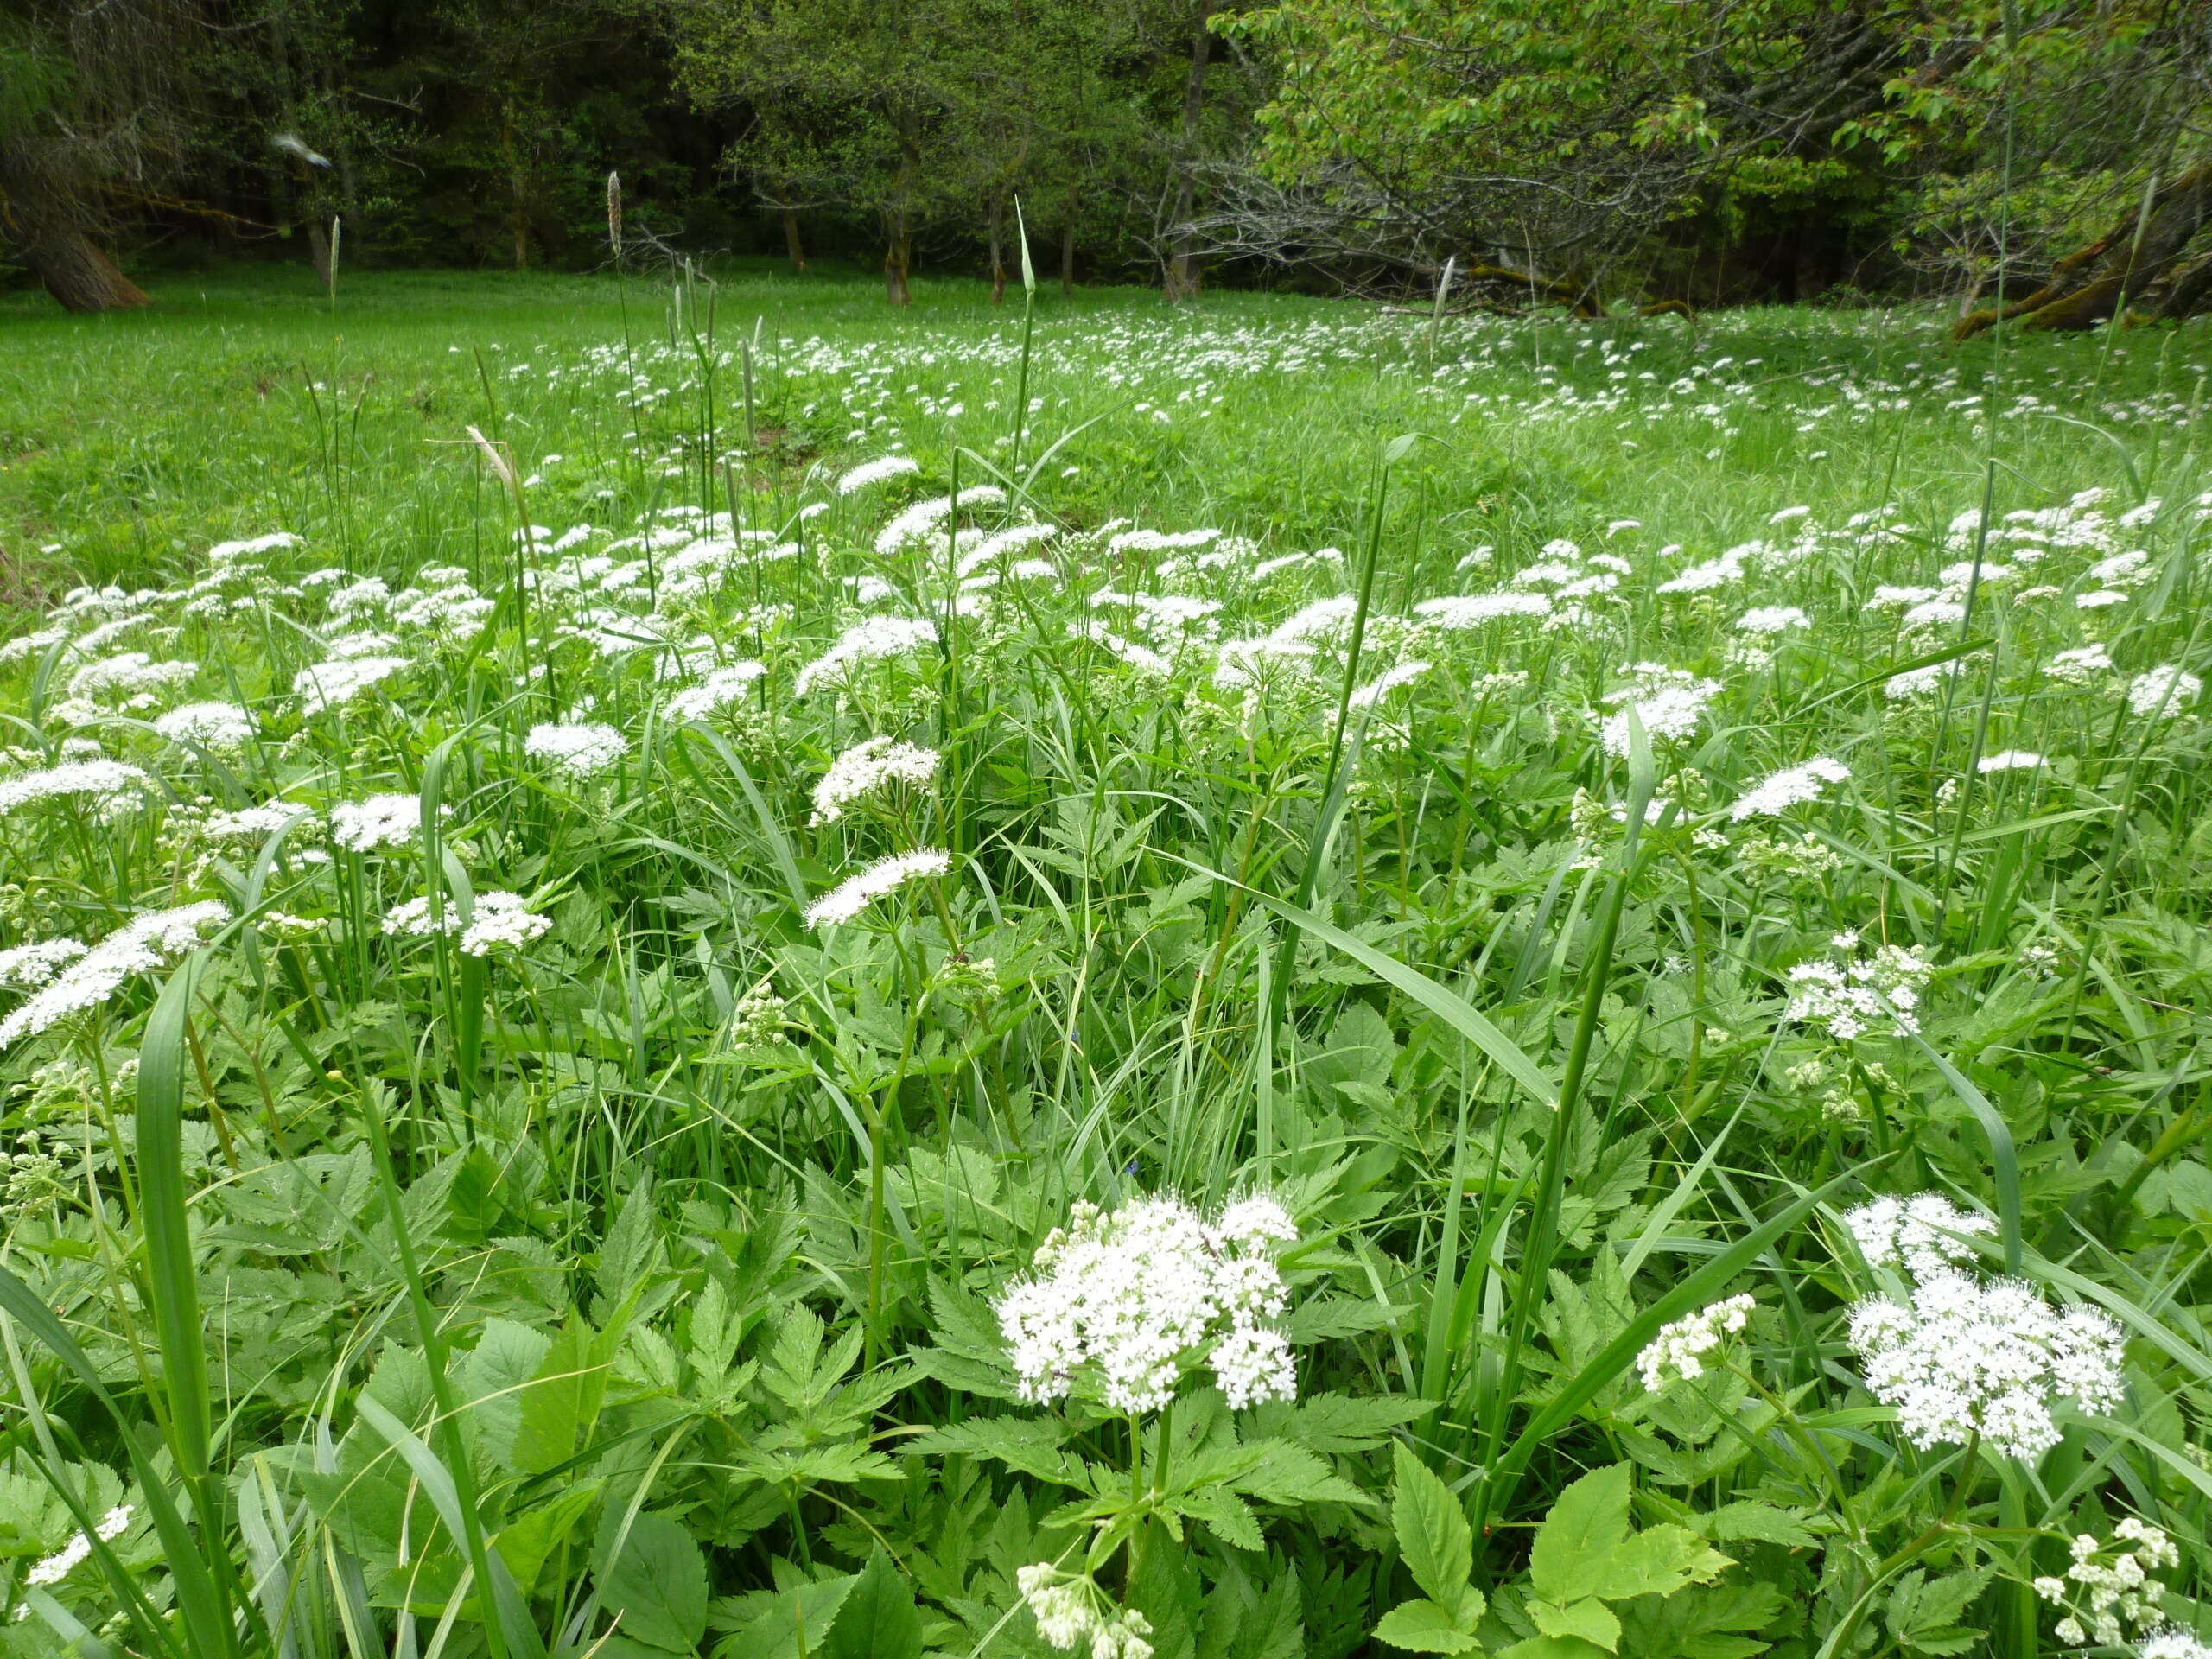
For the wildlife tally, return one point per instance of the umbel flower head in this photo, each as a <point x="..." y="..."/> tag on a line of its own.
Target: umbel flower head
<point x="1072" y="1611"/>
<point x="1915" y="1234"/>
<point x="141" y="946"/>
<point x="1678" y="1352"/>
<point x="1121" y="1301"/>
<point x="1965" y="1358"/>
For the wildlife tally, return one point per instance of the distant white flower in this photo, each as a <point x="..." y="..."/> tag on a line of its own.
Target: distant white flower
<point x="877" y="639"/>
<point x="577" y="750"/>
<point x="1458" y="611"/>
<point x="1792" y="786"/>
<point x="918" y="520"/>
<point x="26" y="967"/>
<point x="381" y="821"/>
<point x="2100" y="598"/>
<point x="323" y="686"/>
<point x="2012" y="761"/>
<point x="722" y="688"/>
<point x="1123" y="1299"/>
<point x="254" y="822"/>
<point x="1773" y="619"/>
<point x="875" y="472"/>
<point x="1877" y="991"/>
<point x="223" y="727"/>
<point x="105" y="785"/>
<point x="501" y="921"/>
<point x="131" y="676"/>
<point x="851" y="897"/>
<point x="2162" y="692"/>
<point x="412" y="919"/>
<point x="1679" y="1350"/>
<point x="2080" y="666"/>
<point x="64" y="1562"/>
<point x="1369" y="695"/>
<point x="142" y="945"/>
<point x="1966" y="1359"/>
<point x="1667" y="701"/>
<point x="1915" y="1234"/>
<point x="868" y="769"/>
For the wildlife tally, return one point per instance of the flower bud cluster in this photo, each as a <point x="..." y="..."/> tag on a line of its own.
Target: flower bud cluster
<point x="2108" y="1590"/>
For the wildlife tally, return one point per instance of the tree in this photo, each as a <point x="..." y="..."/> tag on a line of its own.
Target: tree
<point x="879" y="105"/>
<point x="1581" y="139"/>
<point x="92" y="113"/>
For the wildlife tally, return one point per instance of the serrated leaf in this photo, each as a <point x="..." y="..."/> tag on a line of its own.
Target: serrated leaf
<point x="1337" y="1422"/>
<point x="1283" y="1474"/>
<point x="1031" y="1445"/>
<point x="1573" y="1549"/>
<point x="1589" y="1620"/>
<point x="1421" y="1626"/>
<point x="879" y="1619"/>
<point x="658" y="1584"/>
<point x="1431" y="1530"/>
<point x="1760" y="1522"/>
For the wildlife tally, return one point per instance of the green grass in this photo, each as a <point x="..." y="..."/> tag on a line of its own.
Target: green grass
<point x="641" y="1265"/>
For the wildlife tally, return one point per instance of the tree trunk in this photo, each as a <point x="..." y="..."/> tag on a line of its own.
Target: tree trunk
<point x="1182" y="280"/>
<point x="1067" y="247"/>
<point x="898" y="255"/>
<point x="319" y="250"/>
<point x="794" y="250"/>
<point x="2095" y="282"/>
<point x="78" y="274"/>
<point x="998" y="252"/>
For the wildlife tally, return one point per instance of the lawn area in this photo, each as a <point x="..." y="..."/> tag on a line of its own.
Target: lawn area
<point x="1264" y="979"/>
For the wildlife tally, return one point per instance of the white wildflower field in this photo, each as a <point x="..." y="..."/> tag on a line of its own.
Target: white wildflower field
<point x="690" y="970"/>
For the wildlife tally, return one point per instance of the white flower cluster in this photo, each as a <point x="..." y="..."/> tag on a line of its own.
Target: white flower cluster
<point x="1792" y="786"/>
<point x="578" y="750"/>
<point x="868" y="768"/>
<point x="1678" y="1352"/>
<point x="853" y="894"/>
<point x="381" y="821"/>
<point x="106" y="784"/>
<point x="1918" y="1235"/>
<point x="502" y="921"/>
<point x="2119" y="1595"/>
<point x="1966" y="1357"/>
<point x="1129" y="1293"/>
<point x="332" y="685"/>
<point x="65" y="1560"/>
<point x="2170" y="1643"/>
<point x="1072" y="1611"/>
<point x="256" y="823"/>
<point x="2162" y="693"/>
<point x="875" y="472"/>
<point x="721" y="689"/>
<point x="141" y="946"/>
<point x="1667" y="701"/>
<point x="877" y="639"/>
<point x="26" y="967"/>
<point x="1876" y="992"/>
<point x="223" y="728"/>
<point x="132" y="678"/>
<point x="2011" y="760"/>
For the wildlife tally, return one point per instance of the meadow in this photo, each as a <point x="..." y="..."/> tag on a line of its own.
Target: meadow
<point x="692" y="968"/>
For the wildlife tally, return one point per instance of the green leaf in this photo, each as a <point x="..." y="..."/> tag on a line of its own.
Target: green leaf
<point x="1421" y="1626"/>
<point x="496" y="1377"/>
<point x="562" y="1400"/>
<point x="1589" y="1620"/>
<point x="1658" y="1561"/>
<point x="879" y="1619"/>
<point x="658" y="1586"/>
<point x="528" y="1541"/>
<point x="795" y="1622"/>
<point x="1924" y="1615"/>
<point x="1574" y="1551"/>
<point x="1431" y="1530"/>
